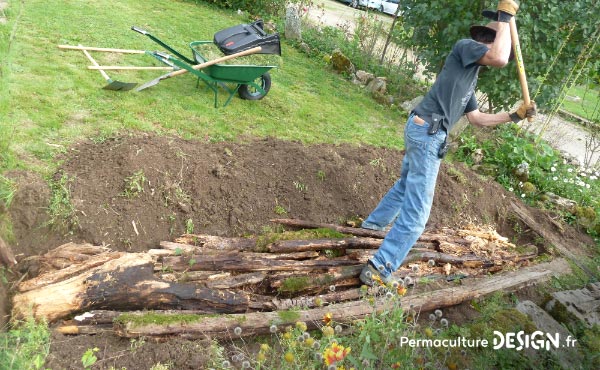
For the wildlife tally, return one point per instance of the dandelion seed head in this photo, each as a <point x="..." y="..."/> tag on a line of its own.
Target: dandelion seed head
<point x="237" y="330"/>
<point x="273" y="328"/>
<point x="444" y="322"/>
<point x="306" y="335"/>
<point x="431" y="263"/>
<point x="389" y="295"/>
<point x="438" y="313"/>
<point x="432" y="317"/>
<point x="319" y="356"/>
<point x="332" y="367"/>
<point x="246" y="364"/>
<point x="415" y="268"/>
<point x="395" y="284"/>
<point x="338" y="329"/>
<point x="332" y="288"/>
<point x="226" y="364"/>
<point x="316" y="345"/>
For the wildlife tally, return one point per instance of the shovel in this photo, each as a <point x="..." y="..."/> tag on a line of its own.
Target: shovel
<point x="198" y="66"/>
<point x="112" y="84"/>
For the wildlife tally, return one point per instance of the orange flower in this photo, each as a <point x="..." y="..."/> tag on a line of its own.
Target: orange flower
<point x="335" y="353"/>
<point x="327" y="318"/>
<point x="401" y="290"/>
<point x="396" y="365"/>
<point x="377" y="278"/>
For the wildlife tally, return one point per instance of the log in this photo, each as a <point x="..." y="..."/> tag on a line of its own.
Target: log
<point x="122" y="283"/>
<point x="257" y="323"/>
<point x="247" y="262"/>
<point x="7" y="257"/>
<point x="217" y="242"/>
<point x="427" y="237"/>
<point x="290" y="246"/>
<point x="54" y="277"/>
<point x="310" y="281"/>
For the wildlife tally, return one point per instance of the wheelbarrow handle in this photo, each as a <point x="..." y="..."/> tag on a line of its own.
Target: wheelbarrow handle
<point x="136" y="29"/>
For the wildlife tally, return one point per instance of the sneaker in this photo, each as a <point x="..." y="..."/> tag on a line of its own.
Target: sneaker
<point x="369" y="275"/>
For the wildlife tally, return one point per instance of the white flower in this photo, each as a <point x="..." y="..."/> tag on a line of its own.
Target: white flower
<point x="555" y="178"/>
<point x="565" y="181"/>
<point x="587" y="186"/>
<point x="583" y="174"/>
<point x="523" y="195"/>
<point x="511" y="189"/>
<point x="593" y="177"/>
<point x="553" y="169"/>
<point x="520" y="184"/>
<point x="569" y="170"/>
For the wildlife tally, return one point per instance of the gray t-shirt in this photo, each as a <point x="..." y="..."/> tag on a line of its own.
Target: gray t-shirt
<point x="452" y="94"/>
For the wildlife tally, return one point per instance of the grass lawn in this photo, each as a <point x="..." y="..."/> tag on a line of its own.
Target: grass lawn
<point x="50" y="99"/>
<point x="588" y="104"/>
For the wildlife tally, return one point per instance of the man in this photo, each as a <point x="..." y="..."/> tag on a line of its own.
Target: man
<point x="409" y="200"/>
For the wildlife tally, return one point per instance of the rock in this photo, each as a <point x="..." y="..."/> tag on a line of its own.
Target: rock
<point x="378" y="85"/>
<point x="293" y="30"/>
<point x="341" y="63"/>
<point x="562" y="204"/>
<point x="568" y="356"/>
<point x="411" y="104"/>
<point x="363" y="77"/>
<point x="579" y="305"/>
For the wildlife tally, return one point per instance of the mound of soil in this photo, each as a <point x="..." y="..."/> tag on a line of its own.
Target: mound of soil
<point x="132" y="192"/>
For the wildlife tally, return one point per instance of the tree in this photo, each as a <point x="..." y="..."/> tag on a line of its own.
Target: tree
<point x="552" y="35"/>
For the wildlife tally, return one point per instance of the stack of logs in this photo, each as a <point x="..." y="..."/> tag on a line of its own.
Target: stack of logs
<point x="204" y="274"/>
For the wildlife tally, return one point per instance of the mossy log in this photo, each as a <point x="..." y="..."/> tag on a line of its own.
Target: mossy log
<point x="256" y="323"/>
<point x="124" y="283"/>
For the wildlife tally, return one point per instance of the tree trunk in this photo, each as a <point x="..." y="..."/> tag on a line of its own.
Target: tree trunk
<point x="123" y="283"/>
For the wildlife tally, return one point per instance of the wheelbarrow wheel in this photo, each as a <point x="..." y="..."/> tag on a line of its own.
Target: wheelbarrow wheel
<point x="249" y="92"/>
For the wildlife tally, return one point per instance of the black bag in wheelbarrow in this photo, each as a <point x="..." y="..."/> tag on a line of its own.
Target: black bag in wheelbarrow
<point x="246" y="36"/>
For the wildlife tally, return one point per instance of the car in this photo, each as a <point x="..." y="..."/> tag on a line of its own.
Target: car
<point x="371" y="4"/>
<point x="389" y="6"/>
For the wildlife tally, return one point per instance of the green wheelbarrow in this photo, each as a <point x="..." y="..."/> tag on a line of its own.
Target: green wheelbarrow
<point x="251" y="82"/>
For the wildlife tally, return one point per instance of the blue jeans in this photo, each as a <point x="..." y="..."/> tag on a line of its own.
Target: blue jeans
<point x="410" y="198"/>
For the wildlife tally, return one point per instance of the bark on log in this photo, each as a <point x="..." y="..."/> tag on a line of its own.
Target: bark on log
<point x="123" y="283"/>
<point x="289" y="246"/>
<point x="257" y="323"/>
<point x="217" y="242"/>
<point x="310" y="281"/>
<point x="7" y="257"/>
<point x="247" y="262"/>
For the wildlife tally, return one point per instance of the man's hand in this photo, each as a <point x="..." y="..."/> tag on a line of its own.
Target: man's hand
<point x="524" y="111"/>
<point x="506" y="10"/>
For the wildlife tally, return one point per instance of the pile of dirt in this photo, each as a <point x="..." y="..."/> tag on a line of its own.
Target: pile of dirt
<point x="132" y="192"/>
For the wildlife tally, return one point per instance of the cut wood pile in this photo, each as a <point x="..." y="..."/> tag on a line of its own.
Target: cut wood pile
<point x="244" y="277"/>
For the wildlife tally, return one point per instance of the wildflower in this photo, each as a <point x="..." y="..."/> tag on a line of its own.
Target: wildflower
<point x="587" y="186"/>
<point x="287" y="335"/>
<point x="327" y="318"/>
<point x="428" y="332"/>
<point x="309" y="342"/>
<point x="523" y="195"/>
<point x="273" y="329"/>
<point x="335" y="353"/>
<point x="289" y="357"/>
<point x="401" y="290"/>
<point x="438" y="313"/>
<point x="569" y="170"/>
<point x="264" y="347"/>
<point x="261" y="357"/>
<point x="396" y="365"/>
<point x="318" y="301"/>
<point x="237" y="330"/>
<point x="327" y="331"/>
<point x="555" y="178"/>
<point x="301" y="325"/>
<point x="511" y="189"/>
<point x="553" y="169"/>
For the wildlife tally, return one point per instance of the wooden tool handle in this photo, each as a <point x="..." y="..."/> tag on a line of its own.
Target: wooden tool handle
<point x="130" y="68"/>
<point x="218" y="60"/>
<point x="110" y="50"/>
<point x="106" y="77"/>
<point x="514" y="35"/>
